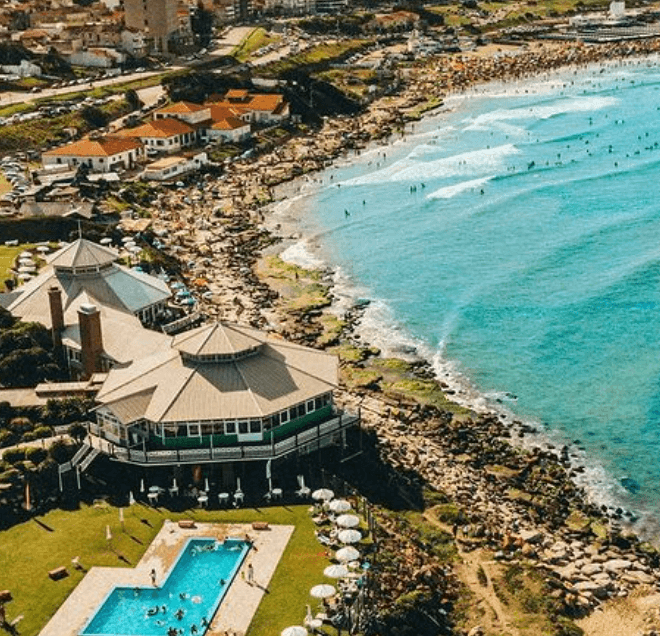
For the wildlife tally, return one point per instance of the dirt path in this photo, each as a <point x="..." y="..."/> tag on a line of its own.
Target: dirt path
<point x="486" y="608"/>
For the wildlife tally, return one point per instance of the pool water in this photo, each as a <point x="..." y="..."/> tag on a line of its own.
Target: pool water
<point x="187" y="600"/>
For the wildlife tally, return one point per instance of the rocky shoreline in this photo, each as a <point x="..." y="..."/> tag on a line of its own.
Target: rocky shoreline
<point x="521" y="504"/>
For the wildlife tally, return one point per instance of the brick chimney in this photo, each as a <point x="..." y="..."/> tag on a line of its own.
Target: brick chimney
<point x="91" y="341"/>
<point x="56" y="316"/>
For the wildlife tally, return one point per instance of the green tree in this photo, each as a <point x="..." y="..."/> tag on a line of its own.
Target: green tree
<point x="77" y="431"/>
<point x="94" y="117"/>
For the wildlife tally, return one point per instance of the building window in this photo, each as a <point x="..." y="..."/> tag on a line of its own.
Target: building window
<point x="255" y="426"/>
<point x="284" y="417"/>
<point x="310" y="406"/>
<point x="242" y="427"/>
<point x="230" y="428"/>
<point x="193" y="430"/>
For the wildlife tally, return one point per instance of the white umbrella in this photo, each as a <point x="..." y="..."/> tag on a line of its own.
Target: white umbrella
<point x="349" y="536"/>
<point x="348" y="521"/>
<point x="25" y="255"/>
<point x="141" y="485"/>
<point x="206" y="484"/>
<point x="43" y="249"/>
<point x="127" y="239"/>
<point x="174" y="482"/>
<point x="322" y="494"/>
<point x="26" y="261"/>
<point x="238" y="484"/>
<point x="349" y="553"/>
<point x="339" y="505"/>
<point x="25" y="276"/>
<point x="26" y="269"/>
<point x="336" y="571"/>
<point x="131" y="499"/>
<point x="108" y="534"/>
<point x="323" y="591"/>
<point x="294" y="630"/>
<point x="105" y="241"/>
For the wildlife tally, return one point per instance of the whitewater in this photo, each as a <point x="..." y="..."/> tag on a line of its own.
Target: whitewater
<point x="513" y="240"/>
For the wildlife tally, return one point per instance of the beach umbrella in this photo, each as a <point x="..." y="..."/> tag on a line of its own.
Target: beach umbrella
<point x="141" y="485"/>
<point x="322" y="494"/>
<point x="25" y="255"/>
<point x="206" y="484"/>
<point x="105" y="241"/>
<point x="323" y="591"/>
<point x="26" y="261"/>
<point x="348" y="521"/>
<point x="24" y="269"/>
<point x="43" y="249"/>
<point x="336" y="571"/>
<point x="349" y="553"/>
<point x="294" y="630"/>
<point x="25" y="276"/>
<point x="339" y="505"/>
<point x="174" y="482"/>
<point x="131" y="499"/>
<point x="108" y="534"/>
<point x="127" y="239"/>
<point x="238" y="484"/>
<point x="349" y="536"/>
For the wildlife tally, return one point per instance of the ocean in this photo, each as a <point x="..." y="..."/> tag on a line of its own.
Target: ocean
<point x="513" y="240"/>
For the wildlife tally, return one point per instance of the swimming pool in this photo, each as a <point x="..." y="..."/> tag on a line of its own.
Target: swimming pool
<point x="186" y="601"/>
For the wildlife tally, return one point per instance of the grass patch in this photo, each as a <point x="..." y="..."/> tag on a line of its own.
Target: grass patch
<point x="8" y="256"/>
<point x="423" y="391"/>
<point x="326" y="52"/>
<point x="29" y="550"/>
<point x="256" y="39"/>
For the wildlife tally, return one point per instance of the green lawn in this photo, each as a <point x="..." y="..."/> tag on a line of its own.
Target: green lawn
<point x="8" y="258"/>
<point x="253" y="42"/>
<point x="29" y="550"/>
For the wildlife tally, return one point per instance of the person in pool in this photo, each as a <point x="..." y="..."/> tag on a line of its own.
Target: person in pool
<point x="179" y="614"/>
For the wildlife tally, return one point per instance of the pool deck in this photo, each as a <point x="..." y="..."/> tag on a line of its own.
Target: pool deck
<point x="238" y="606"/>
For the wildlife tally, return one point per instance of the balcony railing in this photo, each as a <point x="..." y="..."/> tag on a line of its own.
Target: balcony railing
<point x="306" y="441"/>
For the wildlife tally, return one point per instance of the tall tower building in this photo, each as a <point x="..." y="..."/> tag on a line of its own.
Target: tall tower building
<point x="157" y="18"/>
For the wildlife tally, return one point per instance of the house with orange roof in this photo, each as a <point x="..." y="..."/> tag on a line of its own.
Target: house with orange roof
<point x="162" y="135"/>
<point x="102" y="154"/>
<point x="189" y="112"/>
<point x="257" y="108"/>
<point x="227" y="124"/>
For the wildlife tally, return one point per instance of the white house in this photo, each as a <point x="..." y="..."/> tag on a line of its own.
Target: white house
<point x="163" y="135"/>
<point x="97" y="58"/>
<point x="104" y="154"/>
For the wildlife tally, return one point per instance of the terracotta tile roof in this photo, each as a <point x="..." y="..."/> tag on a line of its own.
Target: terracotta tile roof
<point x="237" y="93"/>
<point x="181" y="107"/>
<point x="164" y="128"/>
<point x="229" y="123"/>
<point x="101" y="147"/>
<point x="264" y="102"/>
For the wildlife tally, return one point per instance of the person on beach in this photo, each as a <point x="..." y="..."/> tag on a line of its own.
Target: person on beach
<point x="153" y="576"/>
<point x="250" y="574"/>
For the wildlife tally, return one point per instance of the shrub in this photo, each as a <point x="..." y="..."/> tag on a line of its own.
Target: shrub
<point x="60" y="452"/>
<point x="10" y="476"/>
<point x="20" y="425"/>
<point x="43" y="431"/>
<point x="13" y="455"/>
<point x="36" y="455"/>
<point x="7" y="438"/>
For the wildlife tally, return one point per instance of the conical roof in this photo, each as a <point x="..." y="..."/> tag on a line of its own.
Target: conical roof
<point x="83" y="253"/>
<point x="218" y="339"/>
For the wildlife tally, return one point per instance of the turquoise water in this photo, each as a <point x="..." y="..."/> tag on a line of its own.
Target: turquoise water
<point x="515" y="242"/>
<point x="193" y="588"/>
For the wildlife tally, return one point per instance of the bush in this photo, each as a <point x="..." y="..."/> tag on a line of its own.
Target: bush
<point x="35" y="454"/>
<point x="10" y="476"/>
<point x="43" y="431"/>
<point x="7" y="438"/>
<point x="20" y="425"/>
<point x="13" y="455"/>
<point x="60" y="452"/>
